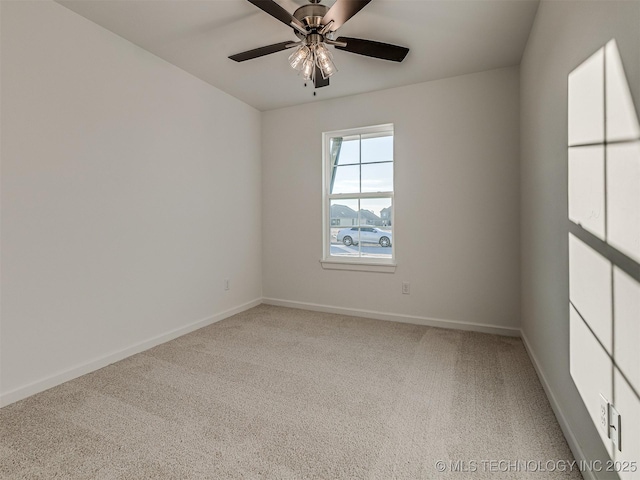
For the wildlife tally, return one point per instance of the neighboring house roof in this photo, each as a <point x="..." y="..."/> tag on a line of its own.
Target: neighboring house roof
<point x="343" y="211"/>
<point x="368" y="215"/>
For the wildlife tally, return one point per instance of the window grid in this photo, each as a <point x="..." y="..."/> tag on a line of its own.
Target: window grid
<point x="379" y="225"/>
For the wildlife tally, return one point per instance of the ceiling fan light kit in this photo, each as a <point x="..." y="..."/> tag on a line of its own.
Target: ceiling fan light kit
<point x="306" y="57"/>
<point x="297" y="58"/>
<point x="314" y="24"/>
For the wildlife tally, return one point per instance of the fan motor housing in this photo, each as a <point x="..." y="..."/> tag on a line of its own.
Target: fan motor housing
<point x="311" y="14"/>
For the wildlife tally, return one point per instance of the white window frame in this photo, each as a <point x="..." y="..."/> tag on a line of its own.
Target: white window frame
<point x="384" y="265"/>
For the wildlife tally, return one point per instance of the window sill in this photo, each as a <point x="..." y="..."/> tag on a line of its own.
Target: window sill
<point x="358" y="266"/>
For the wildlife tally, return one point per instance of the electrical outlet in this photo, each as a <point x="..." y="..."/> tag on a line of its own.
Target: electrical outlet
<point x="406" y="288"/>
<point x="604" y="415"/>
<point x="226" y="284"/>
<point x="615" y="427"/>
<point x="611" y="421"/>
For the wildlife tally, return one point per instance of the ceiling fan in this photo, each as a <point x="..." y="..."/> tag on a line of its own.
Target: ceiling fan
<point x="315" y="25"/>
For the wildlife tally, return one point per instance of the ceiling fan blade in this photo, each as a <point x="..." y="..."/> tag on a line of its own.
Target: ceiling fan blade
<point x="370" y="48"/>
<point x="260" y="52"/>
<point x="276" y="11"/>
<point x="341" y="11"/>
<point x="319" y="81"/>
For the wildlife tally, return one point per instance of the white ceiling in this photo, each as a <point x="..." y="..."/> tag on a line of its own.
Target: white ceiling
<point x="446" y="38"/>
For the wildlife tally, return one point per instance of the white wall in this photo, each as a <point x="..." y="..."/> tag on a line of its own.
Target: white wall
<point x="130" y="191"/>
<point x="456" y="224"/>
<point x="563" y="36"/>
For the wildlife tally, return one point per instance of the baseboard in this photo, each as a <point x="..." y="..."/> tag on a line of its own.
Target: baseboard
<point x="395" y="317"/>
<point x="97" y="363"/>
<point x="575" y="447"/>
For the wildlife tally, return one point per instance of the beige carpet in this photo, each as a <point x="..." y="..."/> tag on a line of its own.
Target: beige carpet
<point x="283" y="393"/>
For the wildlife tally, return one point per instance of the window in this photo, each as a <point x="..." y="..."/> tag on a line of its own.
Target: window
<point x="358" y="196"/>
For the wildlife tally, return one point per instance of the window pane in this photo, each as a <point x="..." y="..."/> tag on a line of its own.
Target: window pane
<point x="345" y="179"/>
<point x="349" y="151"/>
<point x="376" y="148"/>
<point x="359" y="165"/>
<point x="377" y="177"/>
<point x="376" y="235"/>
<point x="345" y="233"/>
